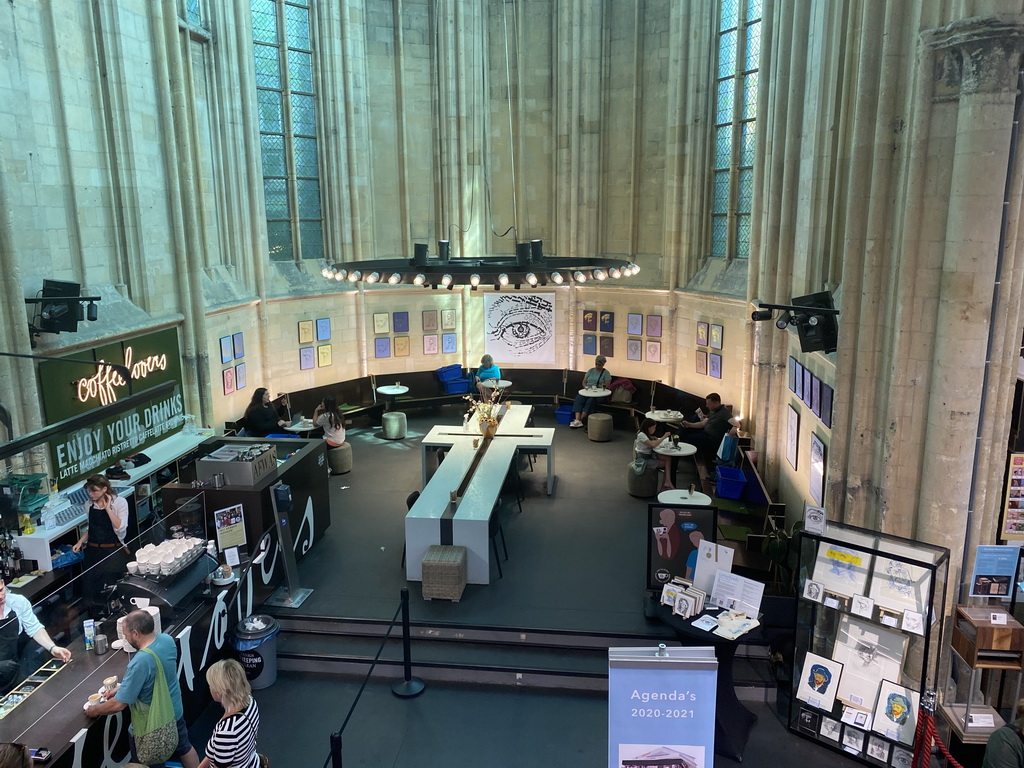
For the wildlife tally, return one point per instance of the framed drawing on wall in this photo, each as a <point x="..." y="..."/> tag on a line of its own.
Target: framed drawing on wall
<point x="430" y="344"/>
<point x="305" y="332"/>
<point x="634" y="349"/>
<point x="382" y="347"/>
<point x="381" y="322"/>
<point x="227" y="352"/>
<point x="607" y="346"/>
<point x="401" y="346"/>
<point x="653" y="351"/>
<point x="792" y="374"/>
<point x="323" y="329"/>
<point x="826" y="405"/>
<point x="239" y="346"/>
<point x="449" y="343"/>
<point x="817" y="469"/>
<point x="717" y="336"/>
<point x="715" y="366"/>
<point x="307" y="358"/>
<point x="634" y="324"/>
<point x="654" y="326"/>
<point x="228" y="375"/>
<point x="589" y="344"/>
<point x="430" y="322"/>
<point x="792" y="436"/>
<point x="816" y="396"/>
<point x="702" y="334"/>
<point x="607" y="322"/>
<point x="798" y="386"/>
<point x="323" y="356"/>
<point x="702" y="362"/>
<point x="400" y="322"/>
<point x="240" y="381"/>
<point x="806" y="397"/>
<point x="447" y="319"/>
<point x="589" y="320"/>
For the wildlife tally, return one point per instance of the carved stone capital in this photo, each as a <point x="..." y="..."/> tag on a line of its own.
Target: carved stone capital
<point x="976" y="55"/>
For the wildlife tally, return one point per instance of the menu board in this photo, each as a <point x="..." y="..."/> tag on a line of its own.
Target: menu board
<point x="1013" y="505"/>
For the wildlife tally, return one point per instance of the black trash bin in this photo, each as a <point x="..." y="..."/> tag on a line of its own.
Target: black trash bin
<point x="256" y="643"/>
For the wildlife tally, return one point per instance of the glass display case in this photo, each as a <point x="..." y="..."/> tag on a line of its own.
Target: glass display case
<point x="869" y="620"/>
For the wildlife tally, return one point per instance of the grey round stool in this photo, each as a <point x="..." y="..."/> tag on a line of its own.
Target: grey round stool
<point x="643" y="486"/>
<point x="394" y="425"/>
<point x="599" y="427"/>
<point x="339" y="459"/>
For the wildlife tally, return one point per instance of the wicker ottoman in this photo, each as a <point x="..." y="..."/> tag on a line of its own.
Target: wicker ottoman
<point x="599" y="427"/>
<point x="339" y="459"/>
<point x="444" y="572"/>
<point x="643" y="486"/>
<point x="394" y="424"/>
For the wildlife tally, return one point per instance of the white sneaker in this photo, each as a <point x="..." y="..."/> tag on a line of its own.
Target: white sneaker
<point x="576" y="424"/>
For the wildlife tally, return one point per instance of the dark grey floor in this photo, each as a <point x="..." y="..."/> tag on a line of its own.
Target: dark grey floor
<point x="576" y="562"/>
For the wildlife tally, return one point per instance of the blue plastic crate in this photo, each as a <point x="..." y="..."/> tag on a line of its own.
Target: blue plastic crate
<point x="563" y="414"/>
<point x="67" y="557"/>
<point x="456" y="386"/>
<point x="449" y="372"/>
<point x="729" y="483"/>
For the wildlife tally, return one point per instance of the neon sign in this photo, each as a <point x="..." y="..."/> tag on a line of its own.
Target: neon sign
<point x="103" y="383"/>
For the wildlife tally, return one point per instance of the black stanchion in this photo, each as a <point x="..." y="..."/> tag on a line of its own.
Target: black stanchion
<point x="336" y="749"/>
<point x="410" y="686"/>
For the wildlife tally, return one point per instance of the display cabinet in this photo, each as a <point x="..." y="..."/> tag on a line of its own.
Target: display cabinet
<point x="869" y="620"/>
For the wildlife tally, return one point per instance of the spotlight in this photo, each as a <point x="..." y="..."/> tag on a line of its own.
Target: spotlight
<point x="340" y="275"/>
<point x="92" y="311"/>
<point x="420" y="279"/>
<point x="783" y="322"/>
<point x="53" y="311"/>
<point x="813" y="320"/>
<point x="444" y="250"/>
<point x="474" y="280"/>
<point x="503" y="279"/>
<point x="761" y="314"/>
<point x="579" y="277"/>
<point x="556" y="278"/>
<point x="615" y="273"/>
<point x="326" y="272"/>
<point x="373" y="277"/>
<point x="355" y="275"/>
<point x="600" y="274"/>
<point x="395" y="279"/>
<point x="531" y="278"/>
<point x="446" y="280"/>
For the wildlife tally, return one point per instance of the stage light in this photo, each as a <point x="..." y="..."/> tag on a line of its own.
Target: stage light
<point x="420" y="279"/>
<point x="503" y="279"/>
<point x="531" y="278"/>
<point x="474" y="280"/>
<point x="579" y="277"/>
<point x="783" y="322"/>
<point x="354" y="275"/>
<point x="600" y="274"/>
<point x="556" y="278"/>
<point x="373" y="277"/>
<point x="446" y="280"/>
<point x="395" y="279"/>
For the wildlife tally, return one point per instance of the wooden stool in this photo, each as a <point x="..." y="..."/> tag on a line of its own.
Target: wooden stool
<point x="599" y="427"/>
<point x="444" y="572"/>
<point x="393" y="425"/>
<point x="339" y="459"/>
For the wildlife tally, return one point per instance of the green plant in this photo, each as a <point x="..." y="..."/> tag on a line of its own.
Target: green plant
<point x="781" y="547"/>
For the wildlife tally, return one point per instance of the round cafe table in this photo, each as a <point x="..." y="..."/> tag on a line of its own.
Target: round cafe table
<point x="306" y="425"/>
<point x="392" y="391"/>
<point x="595" y="392"/>
<point x="684" y="449"/>
<point x="496" y="383"/>
<point x="684" y="497"/>
<point x="664" y="416"/>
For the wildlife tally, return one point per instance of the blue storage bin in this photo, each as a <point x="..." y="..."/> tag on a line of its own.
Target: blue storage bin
<point x="450" y="372"/>
<point x="456" y="386"/>
<point x="67" y="557"/>
<point x="563" y="414"/>
<point x="729" y="483"/>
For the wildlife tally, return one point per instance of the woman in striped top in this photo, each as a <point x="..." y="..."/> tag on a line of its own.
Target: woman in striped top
<point x="233" y="743"/>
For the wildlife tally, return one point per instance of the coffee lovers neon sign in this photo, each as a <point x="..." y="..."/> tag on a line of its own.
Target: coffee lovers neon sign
<point x="103" y="383"/>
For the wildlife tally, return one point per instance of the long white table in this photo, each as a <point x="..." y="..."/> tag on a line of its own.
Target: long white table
<point x="480" y="473"/>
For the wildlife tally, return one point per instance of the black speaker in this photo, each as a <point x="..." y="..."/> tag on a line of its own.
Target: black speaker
<point x="818" y="332"/>
<point x="57" y="316"/>
<point x="283" y="496"/>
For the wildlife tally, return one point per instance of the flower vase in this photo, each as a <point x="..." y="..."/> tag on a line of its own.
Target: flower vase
<point x="488" y="427"/>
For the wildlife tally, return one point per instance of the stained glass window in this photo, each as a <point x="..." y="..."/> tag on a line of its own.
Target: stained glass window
<point x="739" y="51"/>
<point x="286" y="103"/>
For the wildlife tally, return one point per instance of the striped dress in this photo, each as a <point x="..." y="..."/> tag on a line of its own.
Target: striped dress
<point x="233" y="743"/>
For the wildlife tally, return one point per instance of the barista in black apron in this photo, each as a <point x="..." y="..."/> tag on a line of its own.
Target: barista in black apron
<point x="106" y="556"/>
<point x="10" y="653"/>
<point x="18" y="612"/>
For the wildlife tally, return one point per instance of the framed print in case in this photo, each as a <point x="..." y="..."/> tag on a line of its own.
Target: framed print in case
<point x="401" y="346"/>
<point x="307" y="358"/>
<point x="305" y="332"/>
<point x="227" y="352"/>
<point x="447" y="319"/>
<point x="607" y="346"/>
<point x="323" y="329"/>
<point x="830" y="729"/>
<point x="654" y="326"/>
<point x="238" y="346"/>
<point x="430" y="323"/>
<point x="400" y="322"/>
<point x="228" y="376"/>
<point x="381" y="322"/>
<point x="607" y="322"/>
<point x="869" y="654"/>
<point x="702" y="334"/>
<point x="896" y="712"/>
<point x="449" y="343"/>
<point x="382" y="347"/>
<point x="715" y="365"/>
<point x="702" y="362"/>
<point x="792" y="436"/>
<point x="819" y="679"/>
<point x="842" y="570"/>
<point x="634" y="349"/>
<point x="430" y="344"/>
<point x="634" y="324"/>
<point x="240" y="380"/>
<point x="589" y="344"/>
<point x="717" y="335"/>
<point x="323" y="356"/>
<point x="653" y="351"/>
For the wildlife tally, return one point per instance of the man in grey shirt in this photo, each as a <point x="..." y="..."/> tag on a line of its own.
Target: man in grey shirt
<point x="713" y="427"/>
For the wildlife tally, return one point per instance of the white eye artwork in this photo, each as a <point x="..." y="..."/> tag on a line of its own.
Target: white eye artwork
<point x="520" y="326"/>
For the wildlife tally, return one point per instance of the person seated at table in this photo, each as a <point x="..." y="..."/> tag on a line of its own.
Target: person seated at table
<point x="262" y="418"/>
<point x="329" y="419"/>
<point x="487" y="371"/>
<point x="644" y="446"/>
<point x="596" y="378"/>
<point x="713" y="427"/>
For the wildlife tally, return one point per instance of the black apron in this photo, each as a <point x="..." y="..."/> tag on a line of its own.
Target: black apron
<point x="103" y="564"/>
<point x="10" y="666"/>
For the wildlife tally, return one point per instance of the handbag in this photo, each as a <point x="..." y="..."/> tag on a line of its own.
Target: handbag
<point x="155" y="726"/>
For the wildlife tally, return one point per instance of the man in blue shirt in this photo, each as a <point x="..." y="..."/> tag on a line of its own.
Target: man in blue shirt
<point x="140" y="676"/>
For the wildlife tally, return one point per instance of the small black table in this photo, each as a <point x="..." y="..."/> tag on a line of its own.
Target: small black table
<point x="733" y="721"/>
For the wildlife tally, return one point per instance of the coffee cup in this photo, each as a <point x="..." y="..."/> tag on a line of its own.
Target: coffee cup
<point x="133" y="567"/>
<point x="110" y="683"/>
<point x="94" y="699"/>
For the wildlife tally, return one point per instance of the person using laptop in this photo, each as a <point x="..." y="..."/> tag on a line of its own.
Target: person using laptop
<point x="262" y="418"/>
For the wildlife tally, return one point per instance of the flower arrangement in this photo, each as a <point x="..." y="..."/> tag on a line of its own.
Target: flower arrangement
<point x="485" y="410"/>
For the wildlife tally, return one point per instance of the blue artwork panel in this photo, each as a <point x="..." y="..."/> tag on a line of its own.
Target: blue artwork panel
<point x="401" y="322"/>
<point x="382" y="347"/>
<point x="449" y="344"/>
<point x="589" y="344"/>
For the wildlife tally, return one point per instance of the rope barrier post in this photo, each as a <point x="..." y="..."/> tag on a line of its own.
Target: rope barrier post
<point x="336" y="749"/>
<point x="410" y="686"/>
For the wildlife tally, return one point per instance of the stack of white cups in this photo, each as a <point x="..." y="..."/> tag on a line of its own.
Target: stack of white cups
<point x="155" y="613"/>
